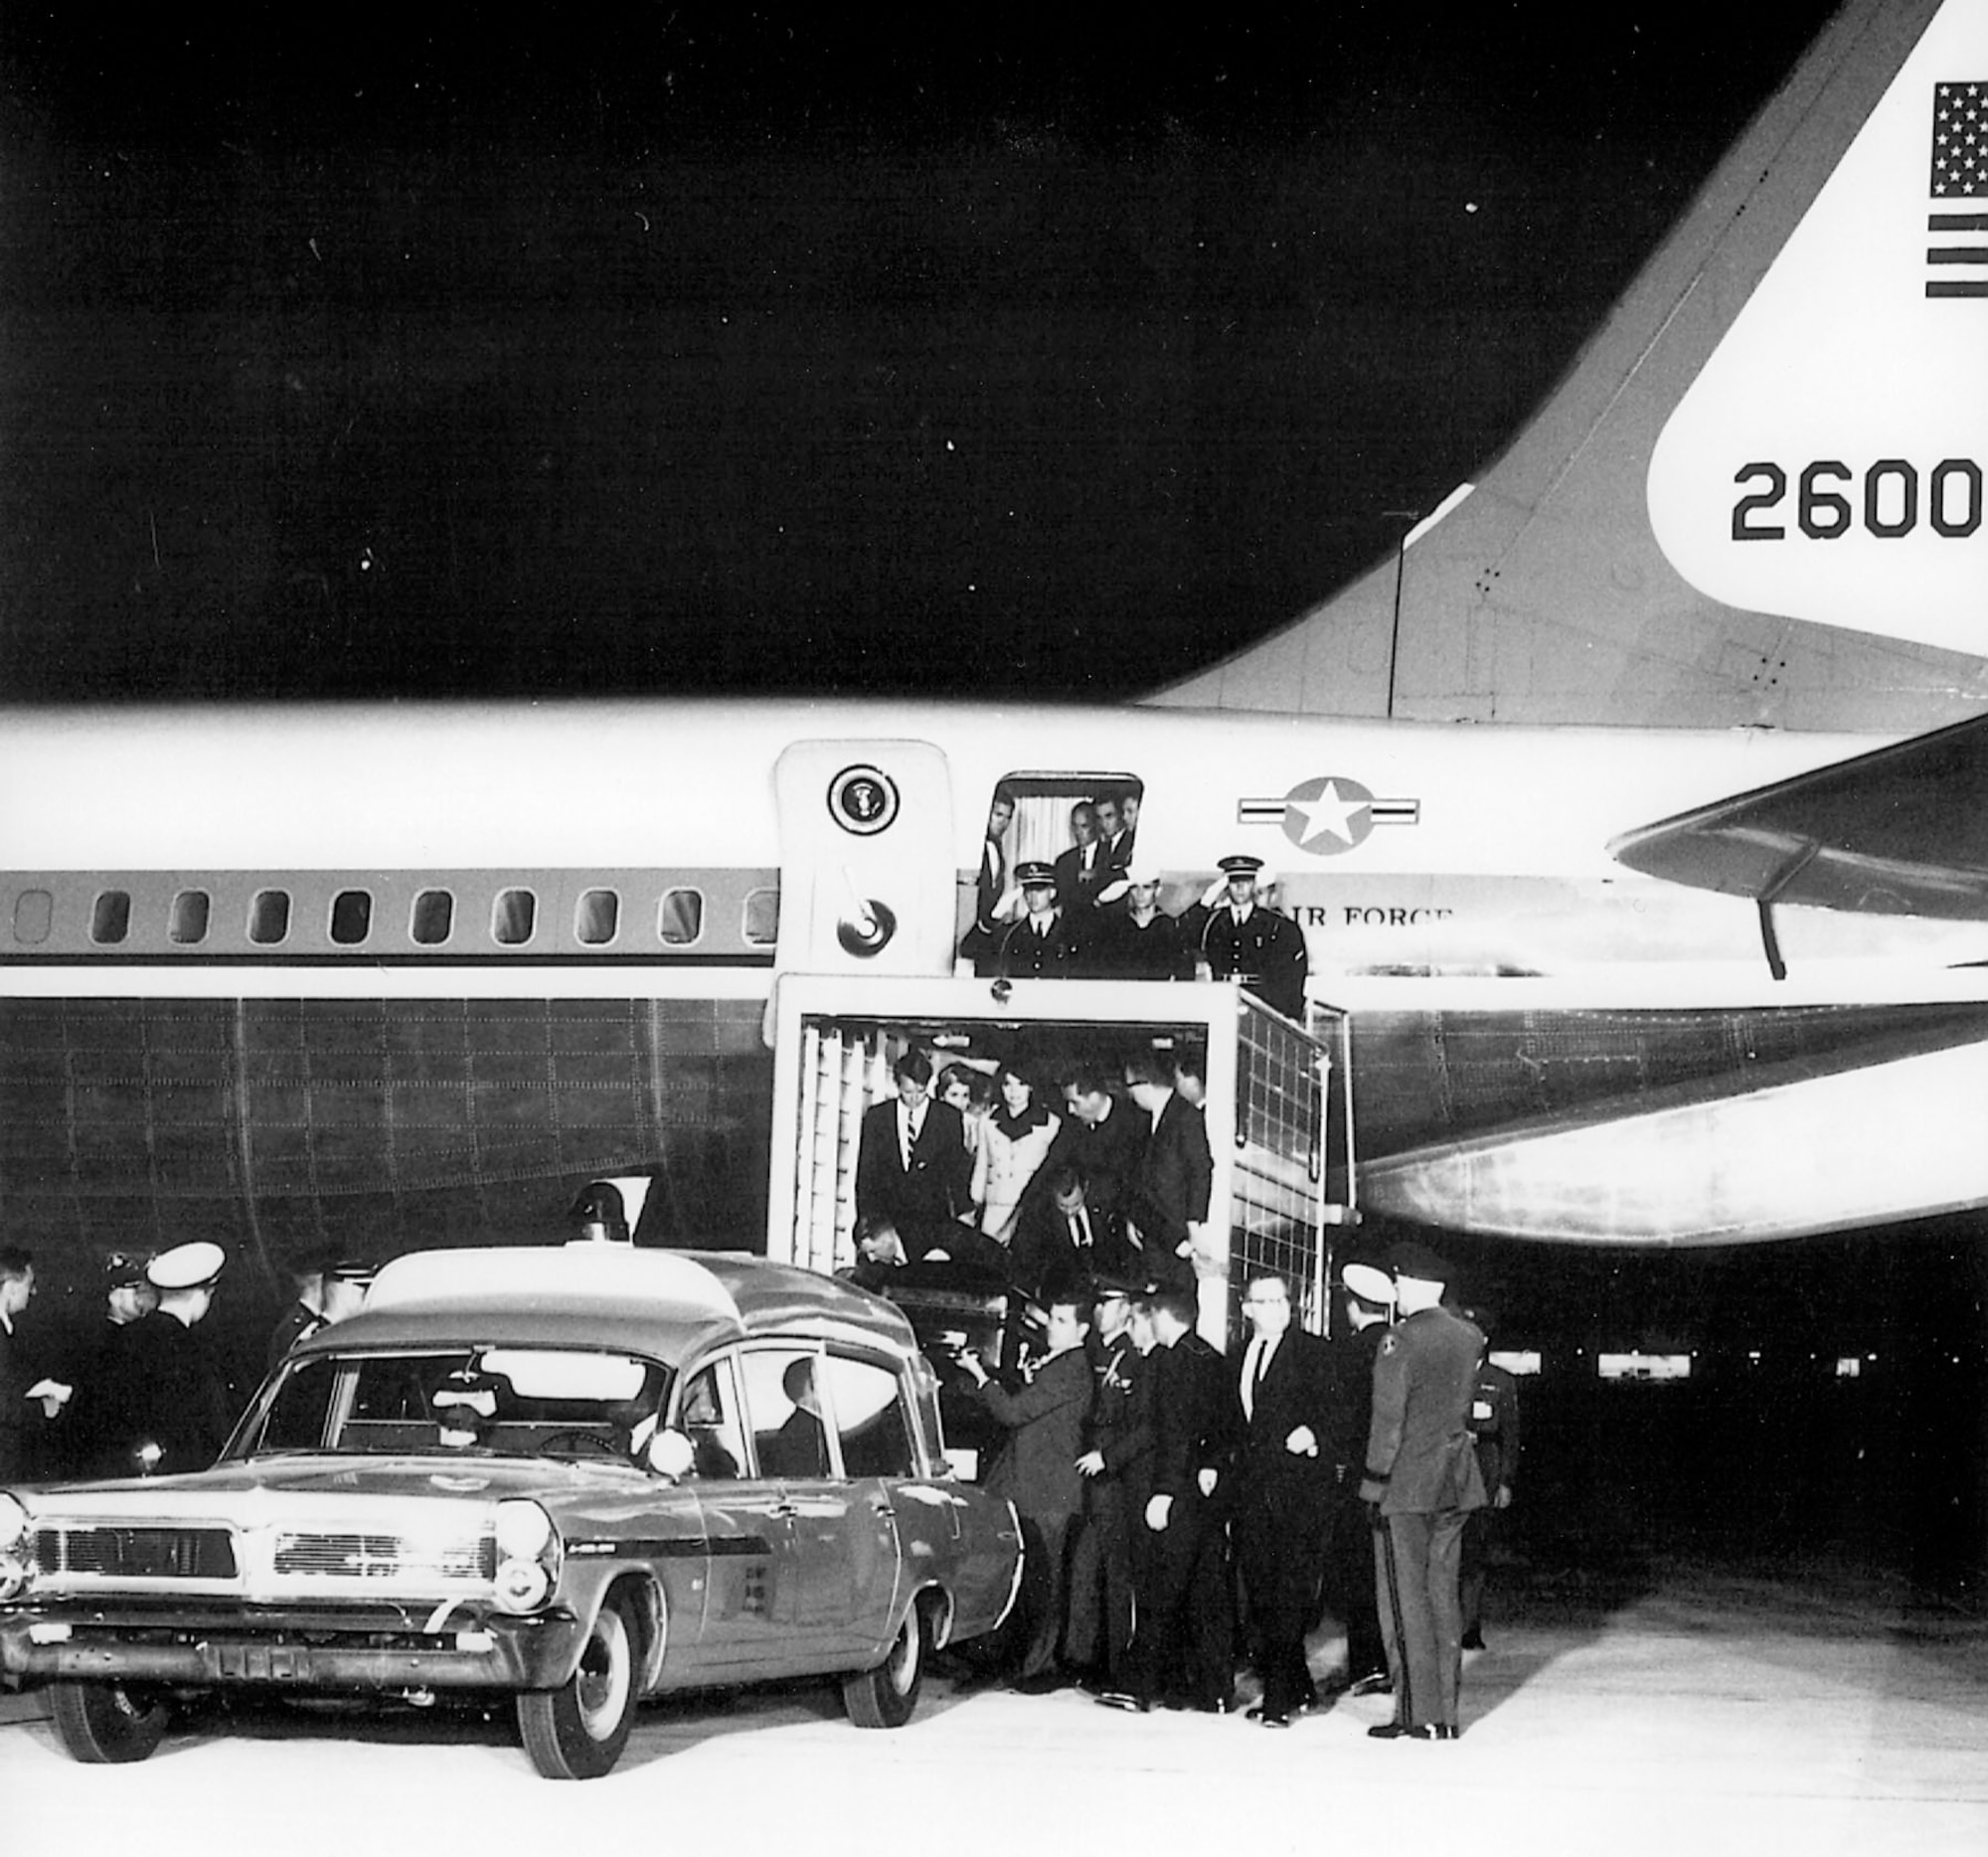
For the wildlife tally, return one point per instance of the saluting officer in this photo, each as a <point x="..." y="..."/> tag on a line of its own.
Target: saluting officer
<point x="1044" y="944"/>
<point x="1246" y="939"/>
<point x="1421" y="1476"/>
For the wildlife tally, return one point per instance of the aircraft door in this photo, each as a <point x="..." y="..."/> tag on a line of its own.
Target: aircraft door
<point x="867" y="878"/>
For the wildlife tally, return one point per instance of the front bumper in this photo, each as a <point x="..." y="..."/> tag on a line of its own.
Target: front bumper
<point x="344" y="1649"/>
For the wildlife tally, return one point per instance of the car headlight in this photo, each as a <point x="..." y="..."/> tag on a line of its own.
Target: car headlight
<point x="529" y="1554"/>
<point x="17" y="1563"/>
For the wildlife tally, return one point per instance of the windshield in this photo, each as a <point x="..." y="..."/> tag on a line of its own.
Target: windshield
<point x="506" y="1401"/>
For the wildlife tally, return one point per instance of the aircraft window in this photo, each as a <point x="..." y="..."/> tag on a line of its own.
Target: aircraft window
<point x="351" y="917"/>
<point x="269" y="916"/>
<point x="188" y="921"/>
<point x="513" y="917"/>
<point x="763" y="918"/>
<point x="681" y="920"/>
<point x="434" y="917"/>
<point x="598" y="917"/>
<point x="111" y="920"/>
<point x="34" y="915"/>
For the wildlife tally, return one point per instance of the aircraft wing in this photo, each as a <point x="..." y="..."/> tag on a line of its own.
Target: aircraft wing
<point x="1900" y="831"/>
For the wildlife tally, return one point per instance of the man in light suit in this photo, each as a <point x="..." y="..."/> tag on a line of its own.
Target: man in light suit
<point x="911" y="1164"/>
<point x="1283" y="1484"/>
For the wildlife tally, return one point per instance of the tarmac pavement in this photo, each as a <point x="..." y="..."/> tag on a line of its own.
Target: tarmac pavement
<point x="1689" y="1709"/>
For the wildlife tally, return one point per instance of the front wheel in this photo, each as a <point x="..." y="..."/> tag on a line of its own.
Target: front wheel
<point x="577" y="1730"/>
<point x="885" y="1696"/>
<point x="103" y="1723"/>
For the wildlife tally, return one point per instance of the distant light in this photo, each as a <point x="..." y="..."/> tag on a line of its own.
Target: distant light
<point x="1517" y="1360"/>
<point x="1470" y="206"/>
<point x="1848" y="1367"/>
<point x="1753" y="1354"/>
<point x="1643" y="1366"/>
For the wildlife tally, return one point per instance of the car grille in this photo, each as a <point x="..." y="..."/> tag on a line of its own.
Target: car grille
<point x="383" y="1557"/>
<point x="137" y="1553"/>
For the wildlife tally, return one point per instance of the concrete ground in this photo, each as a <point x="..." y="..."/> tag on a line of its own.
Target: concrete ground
<point x="1691" y="1710"/>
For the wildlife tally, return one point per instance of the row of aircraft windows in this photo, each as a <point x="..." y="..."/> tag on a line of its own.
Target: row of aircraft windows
<point x="514" y="918"/>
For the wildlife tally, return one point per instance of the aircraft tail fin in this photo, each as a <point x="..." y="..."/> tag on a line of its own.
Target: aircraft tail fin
<point x="1757" y="497"/>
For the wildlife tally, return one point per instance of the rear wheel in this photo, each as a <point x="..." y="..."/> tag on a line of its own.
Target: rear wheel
<point x="577" y="1730"/>
<point x="885" y="1696"/>
<point x="103" y="1723"/>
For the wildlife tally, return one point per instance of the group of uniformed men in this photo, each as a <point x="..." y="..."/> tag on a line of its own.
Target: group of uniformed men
<point x="1169" y="1495"/>
<point x="1095" y="914"/>
<point x="145" y="1392"/>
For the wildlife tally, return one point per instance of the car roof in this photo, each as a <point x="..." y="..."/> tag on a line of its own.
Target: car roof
<point x="669" y="1305"/>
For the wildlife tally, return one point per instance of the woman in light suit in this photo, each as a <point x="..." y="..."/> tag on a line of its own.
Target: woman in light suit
<point x="1015" y="1138"/>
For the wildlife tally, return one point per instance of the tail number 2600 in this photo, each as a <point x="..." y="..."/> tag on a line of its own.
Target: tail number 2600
<point x="1827" y="499"/>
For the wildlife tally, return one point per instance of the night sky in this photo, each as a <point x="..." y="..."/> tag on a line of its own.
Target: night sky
<point x="684" y="349"/>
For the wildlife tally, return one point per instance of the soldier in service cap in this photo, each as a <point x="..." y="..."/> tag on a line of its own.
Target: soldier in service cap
<point x="1246" y="939"/>
<point x="327" y="1291"/>
<point x="1421" y="1481"/>
<point x="1044" y="944"/>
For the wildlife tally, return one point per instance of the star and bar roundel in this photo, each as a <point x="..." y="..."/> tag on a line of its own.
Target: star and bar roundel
<point x="1328" y="815"/>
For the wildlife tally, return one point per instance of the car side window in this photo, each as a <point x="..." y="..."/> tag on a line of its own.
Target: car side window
<point x="867" y="1401"/>
<point x="785" y="1399"/>
<point x="710" y="1418"/>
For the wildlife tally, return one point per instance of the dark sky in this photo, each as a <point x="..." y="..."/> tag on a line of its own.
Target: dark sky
<point x="992" y="350"/>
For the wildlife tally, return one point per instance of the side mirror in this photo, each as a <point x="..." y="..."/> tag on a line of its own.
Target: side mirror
<point x="670" y="1454"/>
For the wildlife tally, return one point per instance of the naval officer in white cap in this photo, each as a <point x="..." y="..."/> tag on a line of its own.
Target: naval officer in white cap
<point x="182" y="1404"/>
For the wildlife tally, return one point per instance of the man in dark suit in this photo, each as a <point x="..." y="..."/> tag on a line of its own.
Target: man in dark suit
<point x="1183" y="1646"/>
<point x="911" y="1164"/>
<point x="1282" y="1481"/>
<point x="24" y="1420"/>
<point x="1167" y="1197"/>
<point x="1114" y="836"/>
<point x="1061" y="1242"/>
<point x="1037" y="1472"/>
<point x="1083" y="870"/>
<point x="1101" y="1137"/>
<point x="1421" y="1475"/>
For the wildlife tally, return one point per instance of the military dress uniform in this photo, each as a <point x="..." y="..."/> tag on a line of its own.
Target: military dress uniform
<point x="1422" y="1472"/>
<point x="1102" y="1611"/>
<point x="1051" y="948"/>
<point x="1264" y="950"/>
